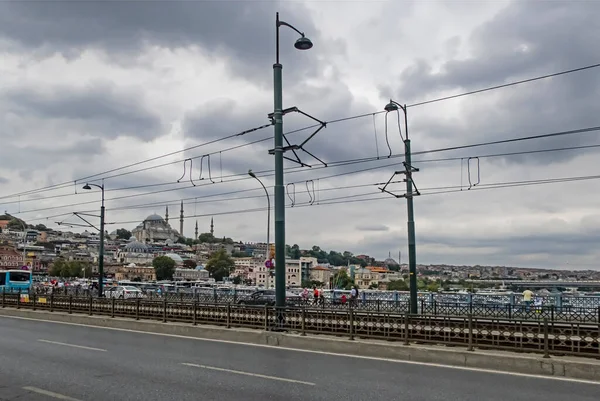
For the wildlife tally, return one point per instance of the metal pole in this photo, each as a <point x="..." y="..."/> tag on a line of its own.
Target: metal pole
<point x="279" y="190"/>
<point x="268" y="221"/>
<point x="412" y="248"/>
<point x="101" y="257"/>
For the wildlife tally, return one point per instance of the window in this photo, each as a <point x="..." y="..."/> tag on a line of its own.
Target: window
<point x="2" y="278"/>
<point x="19" y="276"/>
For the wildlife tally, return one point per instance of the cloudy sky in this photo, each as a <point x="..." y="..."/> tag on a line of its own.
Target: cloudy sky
<point x="89" y="87"/>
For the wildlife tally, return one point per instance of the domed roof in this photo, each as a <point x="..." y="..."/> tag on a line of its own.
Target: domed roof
<point x="135" y="246"/>
<point x="175" y="257"/>
<point x="200" y="267"/>
<point x="390" y="261"/>
<point x="154" y="217"/>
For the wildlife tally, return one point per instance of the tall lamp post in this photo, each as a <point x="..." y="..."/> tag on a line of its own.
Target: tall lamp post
<point x="101" y="256"/>
<point x="302" y="43"/>
<point x="412" y="248"/>
<point x="267" y="258"/>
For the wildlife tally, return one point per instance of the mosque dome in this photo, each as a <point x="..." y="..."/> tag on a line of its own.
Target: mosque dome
<point x="137" y="247"/>
<point x="175" y="257"/>
<point x="154" y="217"/>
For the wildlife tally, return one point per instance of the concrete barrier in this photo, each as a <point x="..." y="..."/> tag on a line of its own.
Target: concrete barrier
<point x="534" y="364"/>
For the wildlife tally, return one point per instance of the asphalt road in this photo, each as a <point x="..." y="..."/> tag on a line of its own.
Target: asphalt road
<point x="42" y="361"/>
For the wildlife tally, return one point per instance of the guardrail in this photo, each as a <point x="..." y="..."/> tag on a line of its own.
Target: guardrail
<point x="231" y="294"/>
<point x="553" y="313"/>
<point x="542" y="336"/>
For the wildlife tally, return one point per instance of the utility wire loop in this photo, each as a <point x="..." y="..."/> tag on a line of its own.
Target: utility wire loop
<point x="311" y="191"/>
<point x="471" y="183"/>
<point x="291" y="196"/>
<point x="185" y="171"/>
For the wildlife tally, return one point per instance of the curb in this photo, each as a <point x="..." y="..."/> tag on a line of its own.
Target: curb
<point x="501" y="361"/>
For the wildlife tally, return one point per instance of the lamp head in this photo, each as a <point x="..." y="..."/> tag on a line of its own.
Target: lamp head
<point x="303" y="43"/>
<point x="251" y="174"/>
<point x="87" y="186"/>
<point x="391" y="106"/>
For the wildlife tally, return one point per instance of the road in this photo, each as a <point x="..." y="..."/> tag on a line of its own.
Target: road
<point x="43" y="361"/>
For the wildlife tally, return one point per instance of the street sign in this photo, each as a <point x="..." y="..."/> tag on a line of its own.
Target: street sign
<point x="268" y="263"/>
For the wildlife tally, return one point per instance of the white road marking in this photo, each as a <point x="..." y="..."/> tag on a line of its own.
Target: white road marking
<point x="73" y="345"/>
<point x="275" y="347"/>
<point x="239" y="372"/>
<point x="50" y="394"/>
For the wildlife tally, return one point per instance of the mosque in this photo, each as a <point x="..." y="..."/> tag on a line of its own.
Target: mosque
<point x="155" y="229"/>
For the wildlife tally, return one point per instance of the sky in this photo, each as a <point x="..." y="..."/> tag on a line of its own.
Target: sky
<point x="120" y="93"/>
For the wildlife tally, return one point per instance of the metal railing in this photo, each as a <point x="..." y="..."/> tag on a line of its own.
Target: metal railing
<point x="516" y="334"/>
<point x="524" y="311"/>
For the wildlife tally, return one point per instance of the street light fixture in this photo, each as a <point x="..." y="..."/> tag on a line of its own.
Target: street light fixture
<point x="267" y="258"/>
<point x="412" y="248"/>
<point x="303" y="43"/>
<point x="88" y="186"/>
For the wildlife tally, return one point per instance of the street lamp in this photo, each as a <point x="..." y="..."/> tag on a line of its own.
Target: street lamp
<point x="101" y="257"/>
<point x="303" y="43"/>
<point x="251" y="174"/>
<point x="412" y="248"/>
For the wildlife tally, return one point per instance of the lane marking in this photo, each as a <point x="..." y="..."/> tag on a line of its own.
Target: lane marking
<point x="72" y="345"/>
<point x="275" y="347"/>
<point x="50" y="393"/>
<point x="239" y="372"/>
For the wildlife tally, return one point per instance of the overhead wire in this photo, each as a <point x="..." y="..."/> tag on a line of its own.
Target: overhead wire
<point x="523" y="81"/>
<point x="68" y="183"/>
<point x="339" y="163"/>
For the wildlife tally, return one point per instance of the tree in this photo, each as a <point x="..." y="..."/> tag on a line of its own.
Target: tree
<point x="67" y="269"/>
<point x="164" y="267"/>
<point x="220" y="265"/>
<point x="180" y="240"/>
<point x="237" y="280"/>
<point x="123" y="233"/>
<point x="41" y="227"/>
<point x="397" y="285"/>
<point x="342" y="280"/>
<point x="206" y="238"/>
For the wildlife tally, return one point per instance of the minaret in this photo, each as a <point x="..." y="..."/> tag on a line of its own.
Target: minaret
<point x="196" y="232"/>
<point x="181" y="221"/>
<point x="167" y="214"/>
<point x="212" y="227"/>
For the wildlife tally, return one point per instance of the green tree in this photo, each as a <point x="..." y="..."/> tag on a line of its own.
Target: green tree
<point x="164" y="267"/>
<point x="41" y="227"/>
<point x="237" y="280"/>
<point x="220" y="265"/>
<point x="341" y="279"/>
<point x="123" y="233"/>
<point x="206" y="238"/>
<point x="433" y="286"/>
<point x="69" y="269"/>
<point x="398" y="285"/>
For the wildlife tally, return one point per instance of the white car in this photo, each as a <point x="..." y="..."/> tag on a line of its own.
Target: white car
<point x="124" y="292"/>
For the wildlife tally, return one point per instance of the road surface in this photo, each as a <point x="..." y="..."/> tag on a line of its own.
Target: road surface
<point x="43" y="361"/>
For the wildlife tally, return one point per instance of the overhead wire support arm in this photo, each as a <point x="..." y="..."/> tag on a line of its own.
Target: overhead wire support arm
<point x="294" y="148"/>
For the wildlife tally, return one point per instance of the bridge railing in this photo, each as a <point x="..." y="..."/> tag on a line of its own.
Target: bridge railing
<point x="472" y="331"/>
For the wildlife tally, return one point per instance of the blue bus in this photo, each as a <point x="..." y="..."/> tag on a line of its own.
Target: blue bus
<point x="15" y="280"/>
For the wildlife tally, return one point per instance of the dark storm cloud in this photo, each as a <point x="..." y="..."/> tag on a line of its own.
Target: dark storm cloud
<point x="101" y="109"/>
<point x="338" y="141"/>
<point x="524" y="40"/>
<point x="33" y="157"/>
<point x="242" y="29"/>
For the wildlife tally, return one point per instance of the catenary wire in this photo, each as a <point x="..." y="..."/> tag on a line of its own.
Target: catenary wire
<point x="333" y="121"/>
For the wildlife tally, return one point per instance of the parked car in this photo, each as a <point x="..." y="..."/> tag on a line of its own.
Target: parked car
<point x="267" y="297"/>
<point x="123" y="292"/>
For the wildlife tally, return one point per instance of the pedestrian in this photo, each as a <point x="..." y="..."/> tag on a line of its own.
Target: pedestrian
<point x="527" y="296"/>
